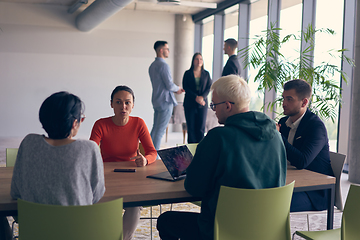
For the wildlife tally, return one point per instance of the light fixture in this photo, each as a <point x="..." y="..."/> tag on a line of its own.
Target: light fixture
<point x="169" y="2"/>
<point x="188" y="3"/>
<point x="76" y="6"/>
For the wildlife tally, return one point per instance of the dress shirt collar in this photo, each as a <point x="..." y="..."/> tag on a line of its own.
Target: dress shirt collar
<point x="160" y="59"/>
<point x="294" y="125"/>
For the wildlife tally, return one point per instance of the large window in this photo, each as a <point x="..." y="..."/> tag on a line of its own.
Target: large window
<point x="231" y="26"/>
<point x="258" y="23"/>
<point x="208" y="43"/>
<point x="324" y="43"/>
<point x="292" y="14"/>
<point x="290" y="10"/>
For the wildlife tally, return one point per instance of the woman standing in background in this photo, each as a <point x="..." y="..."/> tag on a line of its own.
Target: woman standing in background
<point x="196" y="83"/>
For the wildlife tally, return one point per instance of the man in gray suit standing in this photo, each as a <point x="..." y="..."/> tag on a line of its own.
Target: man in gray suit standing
<point x="163" y="98"/>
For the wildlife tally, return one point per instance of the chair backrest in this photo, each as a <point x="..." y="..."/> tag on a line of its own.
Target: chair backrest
<point x="253" y="214"/>
<point x="55" y="222"/>
<point x="11" y="154"/>
<point x="191" y="146"/>
<point x="337" y="163"/>
<point x="350" y="225"/>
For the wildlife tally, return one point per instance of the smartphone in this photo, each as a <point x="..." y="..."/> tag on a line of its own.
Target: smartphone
<point x="124" y="170"/>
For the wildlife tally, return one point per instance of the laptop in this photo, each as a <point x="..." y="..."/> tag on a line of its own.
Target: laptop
<point x="176" y="160"/>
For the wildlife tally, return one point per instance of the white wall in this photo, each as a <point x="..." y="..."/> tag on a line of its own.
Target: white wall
<point x="41" y="52"/>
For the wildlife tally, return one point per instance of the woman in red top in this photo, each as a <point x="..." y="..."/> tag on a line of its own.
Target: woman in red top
<point x="118" y="137"/>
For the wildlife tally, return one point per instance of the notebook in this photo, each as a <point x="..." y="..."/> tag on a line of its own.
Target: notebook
<point x="176" y="160"/>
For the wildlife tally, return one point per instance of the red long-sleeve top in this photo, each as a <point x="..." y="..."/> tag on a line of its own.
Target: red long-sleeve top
<point x="120" y="143"/>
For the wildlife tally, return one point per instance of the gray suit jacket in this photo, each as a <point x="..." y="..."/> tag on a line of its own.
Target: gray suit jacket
<point x="162" y="84"/>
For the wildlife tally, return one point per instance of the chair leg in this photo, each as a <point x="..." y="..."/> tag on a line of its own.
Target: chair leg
<point x="308" y="222"/>
<point x="13" y="230"/>
<point x="151" y="222"/>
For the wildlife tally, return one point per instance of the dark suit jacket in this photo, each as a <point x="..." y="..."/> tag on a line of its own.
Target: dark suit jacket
<point x="310" y="150"/>
<point x="232" y="66"/>
<point x="190" y="88"/>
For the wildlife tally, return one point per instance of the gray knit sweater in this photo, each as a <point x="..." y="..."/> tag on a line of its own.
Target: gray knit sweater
<point x="71" y="174"/>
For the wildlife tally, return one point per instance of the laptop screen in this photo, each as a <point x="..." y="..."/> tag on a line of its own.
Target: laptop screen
<point x="176" y="159"/>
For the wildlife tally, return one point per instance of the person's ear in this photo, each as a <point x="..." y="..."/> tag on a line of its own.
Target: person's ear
<point x="111" y="104"/>
<point x="75" y="124"/>
<point x="305" y="102"/>
<point x="228" y="106"/>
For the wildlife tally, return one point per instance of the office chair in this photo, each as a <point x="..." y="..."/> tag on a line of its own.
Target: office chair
<point x="11" y="154"/>
<point x="337" y="164"/>
<point x="350" y="224"/>
<point x="253" y="214"/>
<point x="56" y="222"/>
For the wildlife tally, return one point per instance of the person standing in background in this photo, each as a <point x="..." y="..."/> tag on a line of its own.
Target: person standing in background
<point x="232" y="65"/>
<point x="163" y="99"/>
<point x="196" y="83"/>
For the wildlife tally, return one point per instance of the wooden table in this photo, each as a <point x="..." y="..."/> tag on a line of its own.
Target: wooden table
<point x="137" y="190"/>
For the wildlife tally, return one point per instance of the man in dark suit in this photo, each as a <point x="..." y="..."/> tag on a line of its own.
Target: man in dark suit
<point x="306" y="142"/>
<point x="232" y="66"/>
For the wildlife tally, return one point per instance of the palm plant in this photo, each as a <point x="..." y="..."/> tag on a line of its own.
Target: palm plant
<point x="275" y="68"/>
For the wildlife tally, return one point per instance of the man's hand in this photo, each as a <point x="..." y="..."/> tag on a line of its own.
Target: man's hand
<point x="140" y="160"/>
<point x="181" y="90"/>
<point x="278" y="126"/>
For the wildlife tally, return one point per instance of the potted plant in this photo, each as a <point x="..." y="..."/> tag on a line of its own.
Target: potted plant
<point x="275" y="68"/>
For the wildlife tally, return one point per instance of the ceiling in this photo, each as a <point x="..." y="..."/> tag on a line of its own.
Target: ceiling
<point x="140" y="5"/>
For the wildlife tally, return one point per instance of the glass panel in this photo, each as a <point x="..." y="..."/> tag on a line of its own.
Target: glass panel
<point x="208" y="43"/>
<point x="291" y="9"/>
<point x="231" y="26"/>
<point x="292" y="48"/>
<point x="324" y="43"/>
<point x="258" y="23"/>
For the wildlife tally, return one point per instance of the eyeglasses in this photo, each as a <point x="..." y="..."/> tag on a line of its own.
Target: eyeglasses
<point x="213" y="105"/>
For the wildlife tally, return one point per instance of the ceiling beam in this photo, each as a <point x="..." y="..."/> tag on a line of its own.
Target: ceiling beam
<point x="220" y="7"/>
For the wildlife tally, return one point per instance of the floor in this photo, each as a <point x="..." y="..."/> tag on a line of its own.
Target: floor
<point x="298" y="221"/>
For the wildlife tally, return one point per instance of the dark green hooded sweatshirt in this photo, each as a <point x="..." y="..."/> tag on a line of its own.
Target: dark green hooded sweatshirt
<point x="247" y="152"/>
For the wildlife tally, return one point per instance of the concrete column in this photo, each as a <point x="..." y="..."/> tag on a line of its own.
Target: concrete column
<point x="345" y="110"/>
<point x="198" y="37"/>
<point x="354" y="150"/>
<point x="183" y="51"/>
<point x="183" y="47"/>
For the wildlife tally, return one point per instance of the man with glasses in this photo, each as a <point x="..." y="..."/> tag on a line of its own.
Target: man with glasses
<point x="247" y="152"/>
<point x="163" y="98"/>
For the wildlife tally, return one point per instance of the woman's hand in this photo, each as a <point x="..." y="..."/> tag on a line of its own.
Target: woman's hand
<point x="200" y="100"/>
<point x="140" y="160"/>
